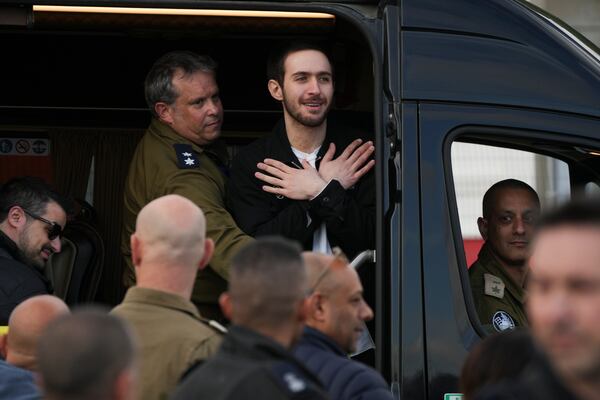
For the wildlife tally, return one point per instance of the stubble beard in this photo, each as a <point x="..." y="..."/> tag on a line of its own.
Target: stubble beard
<point x="30" y="255"/>
<point x="296" y="114"/>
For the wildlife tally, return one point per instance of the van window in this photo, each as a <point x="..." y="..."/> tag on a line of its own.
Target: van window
<point x="476" y="167"/>
<point x="556" y="170"/>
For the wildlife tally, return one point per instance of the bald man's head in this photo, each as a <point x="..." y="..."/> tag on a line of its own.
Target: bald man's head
<point x="170" y="231"/>
<point x="319" y="268"/>
<point x="26" y="324"/>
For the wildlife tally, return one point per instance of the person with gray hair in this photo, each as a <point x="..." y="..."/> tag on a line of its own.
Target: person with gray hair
<point x="32" y="218"/>
<point x="266" y="303"/>
<point x="168" y="248"/>
<point x="87" y="355"/>
<point x="181" y="154"/>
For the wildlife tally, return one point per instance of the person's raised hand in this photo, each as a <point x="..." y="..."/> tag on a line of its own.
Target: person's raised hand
<point x="294" y="183"/>
<point x="349" y="166"/>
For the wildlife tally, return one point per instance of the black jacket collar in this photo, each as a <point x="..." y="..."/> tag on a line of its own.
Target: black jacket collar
<point x="284" y="143"/>
<point x="253" y="345"/>
<point x="10" y="250"/>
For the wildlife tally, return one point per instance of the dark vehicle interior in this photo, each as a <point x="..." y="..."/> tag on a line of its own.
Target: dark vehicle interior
<point x="72" y="90"/>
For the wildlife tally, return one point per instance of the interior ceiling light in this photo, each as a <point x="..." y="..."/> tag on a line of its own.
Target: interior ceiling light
<point x="182" y="11"/>
<point x="591" y="152"/>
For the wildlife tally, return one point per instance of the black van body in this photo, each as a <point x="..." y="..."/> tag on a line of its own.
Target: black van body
<point x="438" y="71"/>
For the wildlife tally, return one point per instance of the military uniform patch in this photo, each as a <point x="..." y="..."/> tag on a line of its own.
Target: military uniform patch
<point x="502" y="321"/>
<point x="493" y="286"/>
<point x="289" y="378"/>
<point x="186" y="157"/>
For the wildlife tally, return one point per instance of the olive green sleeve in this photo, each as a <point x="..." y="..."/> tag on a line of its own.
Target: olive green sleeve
<point x="208" y="192"/>
<point x="204" y="350"/>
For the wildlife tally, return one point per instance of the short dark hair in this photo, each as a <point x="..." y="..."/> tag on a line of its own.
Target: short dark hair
<point x="81" y="355"/>
<point x="499" y="356"/>
<point x="158" y="86"/>
<point x="266" y="280"/>
<point x="490" y="195"/>
<point x="581" y="212"/>
<point x="276" y="60"/>
<point x="30" y="193"/>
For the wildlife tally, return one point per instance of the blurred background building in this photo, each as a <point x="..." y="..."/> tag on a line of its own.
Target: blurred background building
<point x="583" y="15"/>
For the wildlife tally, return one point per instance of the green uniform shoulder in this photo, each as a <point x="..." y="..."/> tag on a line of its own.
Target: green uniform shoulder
<point x="498" y="300"/>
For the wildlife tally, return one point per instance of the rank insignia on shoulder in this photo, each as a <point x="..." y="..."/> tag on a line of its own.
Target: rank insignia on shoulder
<point x="186" y="157"/>
<point x="502" y="321"/>
<point x="493" y="286"/>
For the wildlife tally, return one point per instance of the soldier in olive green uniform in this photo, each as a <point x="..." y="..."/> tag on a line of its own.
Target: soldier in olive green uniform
<point x="180" y="153"/>
<point x="171" y="335"/>
<point x="499" y="300"/>
<point x="510" y="209"/>
<point x="169" y="246"/>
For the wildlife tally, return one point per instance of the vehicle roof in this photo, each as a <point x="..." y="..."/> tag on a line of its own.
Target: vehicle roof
<point x="497" y="51"/>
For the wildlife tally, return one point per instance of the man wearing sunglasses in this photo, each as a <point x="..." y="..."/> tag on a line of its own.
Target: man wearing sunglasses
<point x="32" y="217"/>
<point x="335" y="315"/>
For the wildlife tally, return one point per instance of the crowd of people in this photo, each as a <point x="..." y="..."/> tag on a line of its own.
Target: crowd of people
<point x="238" y="281"/>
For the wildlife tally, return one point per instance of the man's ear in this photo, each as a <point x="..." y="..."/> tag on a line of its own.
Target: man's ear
<point x="16" y="217"/>
<point x="226" y="306"/>
<point x="482" y="224"/>
<point x="124" y="385"/>
<point x="275" y="89"/>
<point x="136" y="250"/>
<point x="3" y="345"/>
<point x="164" y="112"/>
<point x="209" y="248"/>
<point x="317" y="308"/>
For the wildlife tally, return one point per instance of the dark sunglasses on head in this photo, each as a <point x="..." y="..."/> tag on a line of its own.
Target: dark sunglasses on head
<point x="339" y="258"/>
<point x="55" y="229"/>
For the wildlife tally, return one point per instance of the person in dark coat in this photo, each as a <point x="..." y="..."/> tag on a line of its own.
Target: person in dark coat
<point x="17" y="383"/>
<point x="563" y="308"/>
<point x="266" y="302"/>
<point x="499" y="356"/>
<point x="32" y="218"/>
<point x="335" y="320"/>
<point x="308" y="180"/>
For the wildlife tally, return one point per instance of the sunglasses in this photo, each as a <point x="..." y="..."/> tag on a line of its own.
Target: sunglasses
<point x="339" y="260"/>
<point x="55" y="229"/>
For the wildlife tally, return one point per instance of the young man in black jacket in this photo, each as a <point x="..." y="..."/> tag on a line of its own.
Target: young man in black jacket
<point x="309" y="179"/>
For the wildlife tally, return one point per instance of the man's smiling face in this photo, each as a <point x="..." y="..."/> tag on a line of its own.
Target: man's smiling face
<point x="307" y="90"/>
<point x="33" y="239"/>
